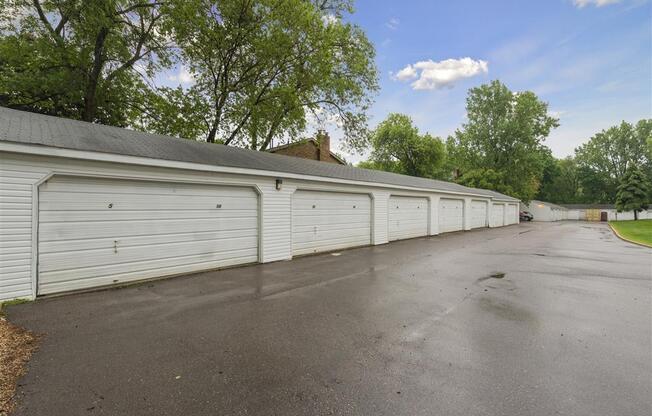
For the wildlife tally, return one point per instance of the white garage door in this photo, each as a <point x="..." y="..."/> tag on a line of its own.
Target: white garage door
<point x="497" y="215"/>
<point x="451" y="215"/>
<point x="324" y="221"/>
<point x="94" y="232"/>
<point x="408" y="217"/>
<point x="478" y="214"/>
<point x="511" y="214"/>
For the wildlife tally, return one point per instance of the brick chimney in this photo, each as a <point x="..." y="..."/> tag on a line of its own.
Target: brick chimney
<point x="324" y="141"/>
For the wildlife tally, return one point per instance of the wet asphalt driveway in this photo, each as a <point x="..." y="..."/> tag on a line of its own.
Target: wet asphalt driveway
<point x="415" y="327"/>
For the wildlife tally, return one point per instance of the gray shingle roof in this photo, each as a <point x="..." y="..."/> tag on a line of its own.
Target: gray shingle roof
<point x="37" y="129"/>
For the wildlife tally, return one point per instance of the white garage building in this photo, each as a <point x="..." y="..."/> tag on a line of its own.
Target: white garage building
<point x="545" y="211"/>
<point x="84" y="205"/>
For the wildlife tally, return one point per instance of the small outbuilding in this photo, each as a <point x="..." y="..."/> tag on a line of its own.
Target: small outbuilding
<point x="85" y="205"/>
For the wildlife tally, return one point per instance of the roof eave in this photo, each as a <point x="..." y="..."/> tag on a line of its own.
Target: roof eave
<point x="44" y="150"/>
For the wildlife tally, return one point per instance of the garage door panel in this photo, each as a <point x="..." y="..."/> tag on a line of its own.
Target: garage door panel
<point x="108" y="255"/>
<point x="76" y="184"/>
<point x="98" y="243"/>
<point x="98" y="229"/>
<point x="309" y="240"/>
<point x="303" y="219"/>
<point x="323" y="221"/>
<point x="478" y="214"/>
<point x="498" y="215"/>
<point x="330" y="244"/>
<point x="90" y="202"/>
<point x="334" y="238"/>
<point x="341" y="206"/>
<point x="511" y="214"/>
<point x="81" y="278"/>
<point x="153" y="232"/>
<point x="357" y="229"/>
<point x="407" y="217"/>
<point x="116" y="215"/>
<point x="451" y="215"/>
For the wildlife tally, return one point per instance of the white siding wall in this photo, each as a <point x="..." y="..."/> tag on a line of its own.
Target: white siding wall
<point x="276" y="222"/>
<point x="379" y="231"/>
<point x="16" y="230"/>
<point x="20" y="174"/>
<point x="434" y="214"/>
<point x="573" y="214"/>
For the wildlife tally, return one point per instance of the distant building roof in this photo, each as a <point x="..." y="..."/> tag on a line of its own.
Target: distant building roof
<point x="41" y="130"/>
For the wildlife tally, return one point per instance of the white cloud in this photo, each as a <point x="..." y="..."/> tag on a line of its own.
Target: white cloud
<point x="183" y="76"/>
<point x="393" y="23"/>
<point x="431" y="75"/>
<point x="405" y="74"/>
<point x="597" y="3"/>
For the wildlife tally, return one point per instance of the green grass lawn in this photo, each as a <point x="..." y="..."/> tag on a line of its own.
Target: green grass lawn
<point x="639" y="231"/>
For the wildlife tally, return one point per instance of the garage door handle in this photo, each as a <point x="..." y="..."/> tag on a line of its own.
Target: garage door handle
<point x="115" y="246"/>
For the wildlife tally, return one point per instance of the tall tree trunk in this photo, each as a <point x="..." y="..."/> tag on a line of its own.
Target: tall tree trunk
<point x="211" y="134"/>
<point x="635" y="214"/>
<point x="90" y="95"/>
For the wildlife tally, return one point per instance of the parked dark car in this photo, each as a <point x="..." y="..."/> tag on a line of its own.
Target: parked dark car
<point x="526" y="216"/>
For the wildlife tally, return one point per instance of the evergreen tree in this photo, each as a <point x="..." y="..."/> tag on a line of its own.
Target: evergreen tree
<point x="633" y="191"/>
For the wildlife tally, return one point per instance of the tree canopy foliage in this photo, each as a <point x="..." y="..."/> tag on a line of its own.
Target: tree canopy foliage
<point x="595" y="172"/>
<point x="502" y="140"/>
<point x="79" y="59"/>
<point x="397" y="146"/>
<point x="603" y="160"/>
<point x="262" y="69"/>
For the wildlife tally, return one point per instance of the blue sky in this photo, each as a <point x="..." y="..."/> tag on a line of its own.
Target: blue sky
<point x="590" y="60"/>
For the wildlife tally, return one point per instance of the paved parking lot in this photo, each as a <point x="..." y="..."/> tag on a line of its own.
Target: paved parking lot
<point x="535" y="319"/>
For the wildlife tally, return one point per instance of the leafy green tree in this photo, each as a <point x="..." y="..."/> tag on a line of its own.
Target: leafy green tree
<point x="633" y="191"/>
<point x="486" y="179"/>
<point x="78" y="59"/>
<point x="398" y="147"/>
<point x="550" y="173"/>
<point x="263" y="69"/>
<point x="568" y="184"/>
<point x="504" y="134"/>
<point x="605" y="158"/>
<point x="561" y="182"/>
